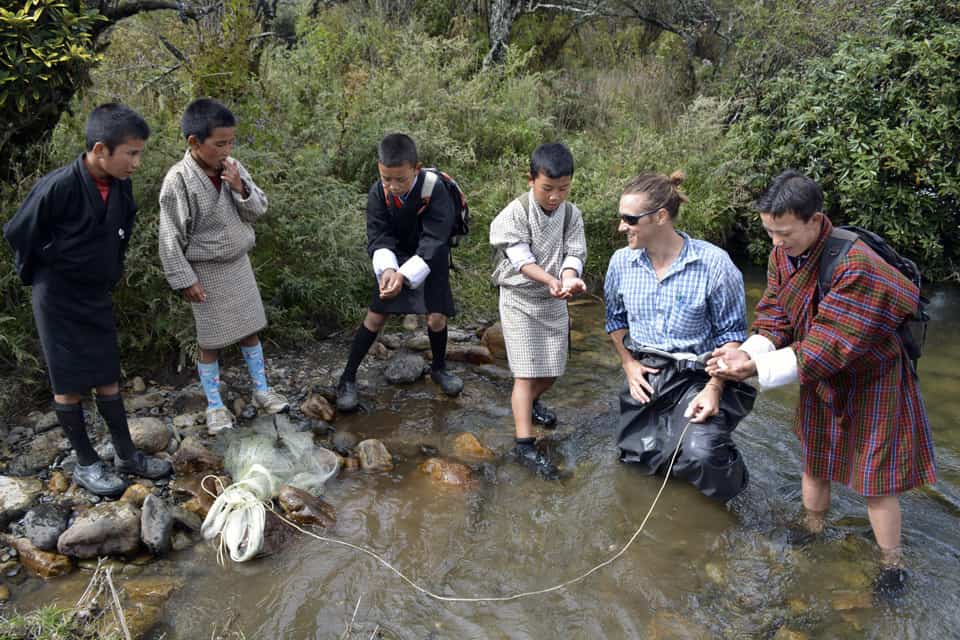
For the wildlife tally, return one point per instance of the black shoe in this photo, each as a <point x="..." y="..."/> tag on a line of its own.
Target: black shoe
<point x="890" y="584"/>
<point x="529" y="456"/>
<point x="449" y="383"/>
<point x="543" y="416"/>
<point x="347" y="398"/>
<point x="98" y="478"/>
<point x="144" y="466"/>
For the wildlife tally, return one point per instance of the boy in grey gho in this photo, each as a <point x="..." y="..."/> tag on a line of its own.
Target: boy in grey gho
<point x="208" y="204"/>
<point x="544" y="246"/>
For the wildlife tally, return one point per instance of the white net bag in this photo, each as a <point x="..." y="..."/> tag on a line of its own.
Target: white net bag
<point x="262" y="459"/>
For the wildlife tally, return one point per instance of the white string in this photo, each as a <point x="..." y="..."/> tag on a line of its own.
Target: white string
<point x="517" y="596"/>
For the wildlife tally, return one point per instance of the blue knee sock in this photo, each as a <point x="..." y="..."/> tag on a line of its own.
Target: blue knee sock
<point x="210" y="379"/>
<point x="255" y="364"/>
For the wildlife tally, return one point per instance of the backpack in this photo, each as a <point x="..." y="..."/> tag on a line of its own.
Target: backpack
<point x="913" y="331"/>
<point x="461" y="223"/>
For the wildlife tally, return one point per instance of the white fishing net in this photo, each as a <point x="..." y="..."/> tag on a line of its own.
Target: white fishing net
<point x="261" y="459"/>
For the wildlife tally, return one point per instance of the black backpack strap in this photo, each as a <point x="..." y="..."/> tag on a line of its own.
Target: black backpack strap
<point x="837" y="245"/>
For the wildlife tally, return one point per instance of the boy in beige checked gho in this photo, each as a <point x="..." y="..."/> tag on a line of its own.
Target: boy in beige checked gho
<point x="208" y="204"/>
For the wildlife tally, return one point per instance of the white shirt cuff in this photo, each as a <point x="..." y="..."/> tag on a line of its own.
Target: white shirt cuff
<point x="777" y="368"/>
<point x="757" y="344"/>
<point x="384" y="259"/>
<point x="415" y="270"/>
<point x="520" y="254"/>
<point x="572" y="262"/>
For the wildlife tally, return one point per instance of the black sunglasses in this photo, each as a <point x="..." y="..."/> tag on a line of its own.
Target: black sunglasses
<point x="632" y="220"/>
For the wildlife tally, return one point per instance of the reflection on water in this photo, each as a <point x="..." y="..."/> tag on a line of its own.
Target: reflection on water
<point x="699" y="570"/>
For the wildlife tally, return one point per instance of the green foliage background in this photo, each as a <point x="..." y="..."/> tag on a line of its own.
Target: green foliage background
<point x="874" y="119"/>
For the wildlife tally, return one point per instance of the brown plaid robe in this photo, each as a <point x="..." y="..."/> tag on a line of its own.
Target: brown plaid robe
<point x="861" y="420"/>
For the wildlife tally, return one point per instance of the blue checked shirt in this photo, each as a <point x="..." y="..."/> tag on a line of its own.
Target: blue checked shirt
<point x="698" y="306"/>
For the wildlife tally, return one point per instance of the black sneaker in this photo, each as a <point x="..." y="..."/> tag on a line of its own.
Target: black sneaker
<point x="144" y="466"/>
<point x="529" y="456"/>
<point x="543" y="415"/>
<point x="347" y="398"/>
<point x="98" y="478"/>
<point x="449" y="383"/>
<point x="890" y="584"/>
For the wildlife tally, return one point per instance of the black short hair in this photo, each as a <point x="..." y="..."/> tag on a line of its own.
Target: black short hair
<point x="203" y="115"/>
<point x="396" y="149"/>
<point x="552" y="159"/>
<point x="791" y="192"/>
<point x="113" y="124"/>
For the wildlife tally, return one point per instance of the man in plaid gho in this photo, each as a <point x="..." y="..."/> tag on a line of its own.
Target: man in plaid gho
<point x="861" y="420"/>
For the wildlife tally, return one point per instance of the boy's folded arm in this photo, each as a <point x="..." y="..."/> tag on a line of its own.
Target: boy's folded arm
<point x="415" y="271"/>
<point x="27" y="230"/>
<point x="384" y="259"/>
<point x="519" y="255"/>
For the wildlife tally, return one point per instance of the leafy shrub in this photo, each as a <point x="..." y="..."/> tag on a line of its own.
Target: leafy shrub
<point x="876" y="124"/>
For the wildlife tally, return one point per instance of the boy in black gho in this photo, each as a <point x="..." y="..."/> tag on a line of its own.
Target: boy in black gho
<point x="410" y="248"/>
<point x="69" y="239"/>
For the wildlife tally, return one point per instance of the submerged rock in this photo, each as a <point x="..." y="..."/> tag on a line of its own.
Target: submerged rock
<point x="374" y="456"/>
<point x="105" y="529"/>
<point x="305" y="508"/>
<point x="447" y="472"/>
<point x="468" y="446"/>
<point x="343" y="442"/>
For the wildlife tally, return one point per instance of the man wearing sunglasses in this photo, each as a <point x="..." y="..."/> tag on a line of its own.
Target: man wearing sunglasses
<point x="668" y="298"/>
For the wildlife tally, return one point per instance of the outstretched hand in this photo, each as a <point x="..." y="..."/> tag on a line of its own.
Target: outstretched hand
<point x="572" y="286"/>
<point x="731" y="363"/>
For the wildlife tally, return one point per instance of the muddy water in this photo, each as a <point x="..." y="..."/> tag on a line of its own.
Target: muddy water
<point x="699" y="570"/>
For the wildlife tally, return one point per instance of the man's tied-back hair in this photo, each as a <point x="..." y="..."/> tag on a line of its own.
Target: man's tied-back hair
<point x="662" y="191"/>
<point x="791" y="192"/>
<point x="204" y="115"/>
<point x="397" y="149"/>
<point x="113" y="124"/>
<point x="552" y="159"/>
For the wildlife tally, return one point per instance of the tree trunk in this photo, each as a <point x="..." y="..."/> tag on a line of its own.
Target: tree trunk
<point x="500" y="20"/>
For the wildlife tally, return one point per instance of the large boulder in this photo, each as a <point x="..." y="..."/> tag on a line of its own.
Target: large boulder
<point x="42" y="450"/>
<point x="16" y="496"/>
<point x="107" y="528"/>
<point x="470" y="353"/>
<point x="493" y="340"/>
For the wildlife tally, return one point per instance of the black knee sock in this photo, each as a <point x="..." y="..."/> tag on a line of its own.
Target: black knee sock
<point x="71" y="420"/>
<point x="113" y="412"/>
<point x="361" y="344"/>
<point x="438" y="345"/>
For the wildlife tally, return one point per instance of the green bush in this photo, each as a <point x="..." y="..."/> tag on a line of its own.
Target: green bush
<point x="876" y="124"/>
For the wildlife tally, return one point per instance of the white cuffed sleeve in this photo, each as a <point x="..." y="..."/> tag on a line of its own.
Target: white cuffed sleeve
<point x="520" y="254"/>
<point x="572" y="262"/>
<point x="757" y="344"/>
<point x="777" y="368"/>
<point x="415" y="270"/>
<point x="384" y="259"/>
